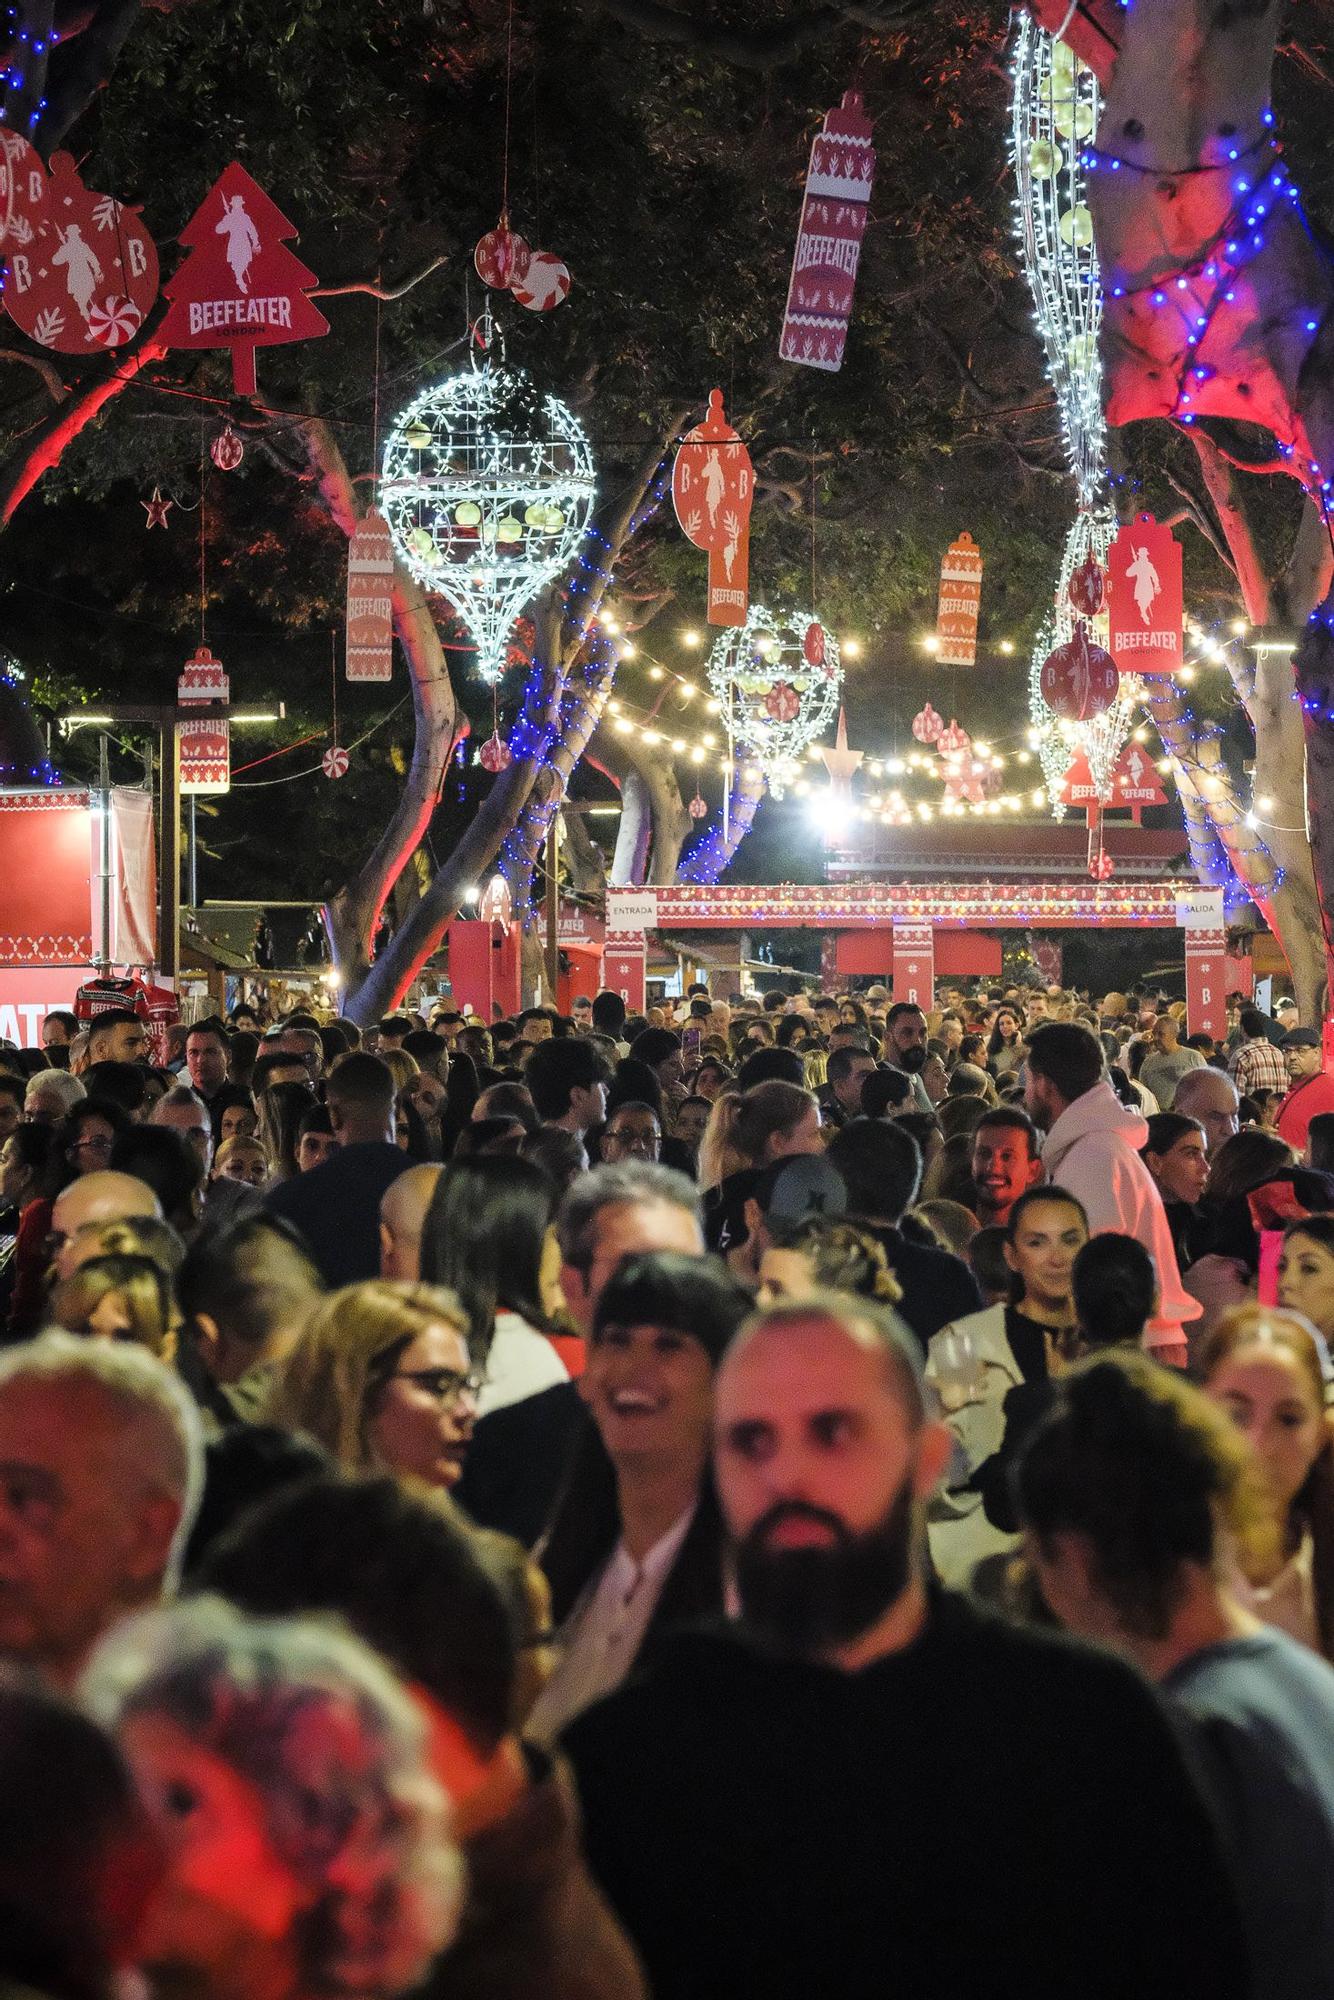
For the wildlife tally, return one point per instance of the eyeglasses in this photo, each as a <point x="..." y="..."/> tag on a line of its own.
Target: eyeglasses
<point x="444" y="1385"/>
<point x="92" y="1142"/>
<point x="635" y="1142"/>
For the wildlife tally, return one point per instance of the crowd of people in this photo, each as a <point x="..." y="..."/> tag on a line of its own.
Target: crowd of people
<point x="776" y="1494"/>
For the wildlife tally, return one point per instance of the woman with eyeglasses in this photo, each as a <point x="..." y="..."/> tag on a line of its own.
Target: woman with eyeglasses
<point x="381" y="1376"/>
<point x="89" y="1134"/>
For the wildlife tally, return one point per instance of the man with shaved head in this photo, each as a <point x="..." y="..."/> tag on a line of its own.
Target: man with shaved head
<point x="100" y="1197"/>
<point x="867" y="1785"/>
<point x="403" y="1207"/>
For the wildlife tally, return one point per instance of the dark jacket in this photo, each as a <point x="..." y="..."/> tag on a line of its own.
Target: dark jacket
<point x="534" y="1926"/>
<point x="518" y="1461"/>
<point x="937" y="1288"/>
<point x="336" y="1206"/>
<point x="992" y="1811"/>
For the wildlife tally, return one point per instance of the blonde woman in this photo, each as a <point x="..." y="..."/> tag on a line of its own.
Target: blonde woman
<point x="381" y="1376"/>
<point x="308" y="1847"/>
<point x="118" y="1297"/>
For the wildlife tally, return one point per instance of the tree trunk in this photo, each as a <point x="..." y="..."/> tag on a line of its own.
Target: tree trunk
<point x="713" y="852"/>
<point x="634" y="832"/>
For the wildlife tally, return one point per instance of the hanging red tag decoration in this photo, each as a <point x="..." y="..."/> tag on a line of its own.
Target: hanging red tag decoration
<point x="959" y="603"/>
<point x="370" y="606"/>
<point x="1079" y="679"/>
<point x="829" y="239"/>
<point x="89" y="274"/>
<point x="545" y="283"/>
<point x="1145" y="603"/>
<point x="206" y="744"/>
<point x="334" y="762"/>
<point x="1135" y="781"/>
<point x="240" y="287"/>
<point x="713" y="485"/>
<point x="927" y="725"/>
<point x="1087" y="588"/>
<point x="22" y="190"/>
<point x="502" y="257"/>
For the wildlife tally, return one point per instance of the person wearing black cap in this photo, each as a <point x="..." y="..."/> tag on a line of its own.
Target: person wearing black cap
<point x="635" y="1545"/>
<point x="1311" y="1086"/>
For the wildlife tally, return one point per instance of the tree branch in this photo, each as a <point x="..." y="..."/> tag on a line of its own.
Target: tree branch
<point x="48" y="371"/>
<point x="376" y="290"/>
<point x="761" y="48"/>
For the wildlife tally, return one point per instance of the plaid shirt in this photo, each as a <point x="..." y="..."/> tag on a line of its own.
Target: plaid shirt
<point x="1259" y="1065"/>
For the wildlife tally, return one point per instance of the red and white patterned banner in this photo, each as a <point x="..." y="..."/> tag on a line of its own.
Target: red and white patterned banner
<point x="829" y="241"/>
<point x="914" y="964"/>
<point x="959" y="603"/>
<point x="206" y="744"/>
<point x="370" y="606"/>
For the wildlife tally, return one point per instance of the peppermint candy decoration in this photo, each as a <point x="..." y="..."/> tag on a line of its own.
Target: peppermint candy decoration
<point x="495" y="754"/>
<point x="783" y="704"/>
<point x="334" y="762"/>
<point x="544" y="285"/>
<point x="927" y="725"/>
<point x="114" y="321"/>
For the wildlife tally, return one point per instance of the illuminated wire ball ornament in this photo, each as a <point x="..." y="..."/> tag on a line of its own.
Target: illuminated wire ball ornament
<point x="487" y="486"/>
<point x="775" y="700"/>
<point x="1055" y="109"/>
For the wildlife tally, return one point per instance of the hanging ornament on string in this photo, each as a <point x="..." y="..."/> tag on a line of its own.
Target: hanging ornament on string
<point x="23" y="191"/>
<point x="713" y="487"/>
<point x="1079" y="679"/>
<point x="812" y="645"/>
<point x="495" y="754"/>
<point x="226" y="450"/>
<point x="959" y="603"/>
<point x="697" y="808"/>
<point x="334" y="762"/>
<point x="206" y="744"/>
<point x="502" y="257"/>
<point x="927" y="725"/>
<point x="1102" y="867"/>
<point x="1087" y="587"/>
<point x="544" y="285"/>
<point x="90" y="273"/>
<point x="488" y="488"/>
<point x="240" y="287"/>
<point x="156" y="509"/>
<point x="951" y="742"/>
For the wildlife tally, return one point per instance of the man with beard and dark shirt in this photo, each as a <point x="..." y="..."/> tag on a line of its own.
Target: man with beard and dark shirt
<point x="905" y="1047"/>
<point x="869" y="1788"/>
<point x="881" y="1169"/>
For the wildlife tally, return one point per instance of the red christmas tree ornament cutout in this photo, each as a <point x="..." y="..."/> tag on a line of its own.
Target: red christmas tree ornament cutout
<point x="240" y="287"/>
<point x="22" y="190"/>
<point x="89" y="274"/>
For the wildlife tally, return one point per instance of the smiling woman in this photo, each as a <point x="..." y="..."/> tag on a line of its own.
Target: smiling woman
<point x="636" y="1543"/>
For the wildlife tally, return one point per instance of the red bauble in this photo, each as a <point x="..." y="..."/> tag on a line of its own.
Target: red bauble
<point x="927" y="725"/>
<point x="1102" y="867"/>
<point x="1080" y="678"/>
<point x="501" y="258"/>
<point x="334" y="762"/>
<point x="495" y="754"/>
<point x="1087" y="587"/>
<point x="697" y="807"/>
<point x="226" y="450"/>
<point x="782" y="703"/>
<point x="812" y="645"/>
<point x="953" y="741"/>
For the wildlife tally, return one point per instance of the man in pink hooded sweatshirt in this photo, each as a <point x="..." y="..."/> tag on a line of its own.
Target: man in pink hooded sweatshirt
<point x="1092" y="1150"/>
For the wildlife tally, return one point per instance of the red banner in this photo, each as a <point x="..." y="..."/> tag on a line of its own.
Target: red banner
<point x="959" y="604"/>
<point x="1135" y="781"/>
<point x="49" y="854"/>
<point x="370" y="607"/>
<point x="26" y="998"/>
<point x="1145" y="605"/>
<point x="625" y="970"/>
<point x="205" y="745"/>
<point x="829" y="240"/>
<point x="1206" y="982"/>
<point x="915" y="964"/>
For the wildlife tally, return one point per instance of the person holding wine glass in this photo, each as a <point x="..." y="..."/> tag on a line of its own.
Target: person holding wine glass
<point x="973" y="1363"/>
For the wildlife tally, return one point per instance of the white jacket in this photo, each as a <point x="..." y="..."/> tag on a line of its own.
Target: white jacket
<point x="958" y="1530"/>
<point x="1093" y="1152"/>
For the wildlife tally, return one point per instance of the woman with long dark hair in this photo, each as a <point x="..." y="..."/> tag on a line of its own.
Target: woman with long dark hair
<point x="483" y="1238"/>
<point x="636" y="1544"/>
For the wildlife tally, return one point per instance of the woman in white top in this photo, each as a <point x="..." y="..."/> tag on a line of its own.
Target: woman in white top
<point x="636" y="1543"/>
<point x="483" y="1238"/>
<point x="1263" y="1366"/>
